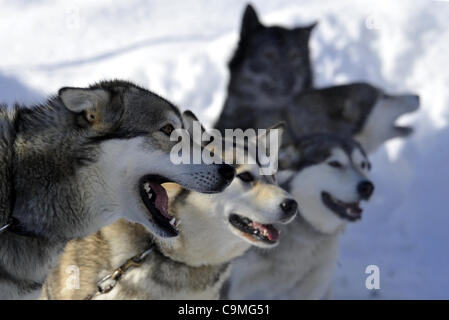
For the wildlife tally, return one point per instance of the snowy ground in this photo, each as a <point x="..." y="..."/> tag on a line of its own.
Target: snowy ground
<point x="180" y="49"/>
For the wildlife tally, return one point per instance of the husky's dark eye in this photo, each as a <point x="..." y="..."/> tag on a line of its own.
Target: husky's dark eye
<point x="335" y="164"/>
<point x="246" y="176"/>
<point x="365" y="165"/>
<point x="294" y="55"/>
<point x="269" y="54"/>
<point x="167" y="129"/>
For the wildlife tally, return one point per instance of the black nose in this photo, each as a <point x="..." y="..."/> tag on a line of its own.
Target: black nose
<point x="416" y="98"/>
<point x="289" y="207"/>
<point x="226" y="171"/>
<point x="365" y="189"/>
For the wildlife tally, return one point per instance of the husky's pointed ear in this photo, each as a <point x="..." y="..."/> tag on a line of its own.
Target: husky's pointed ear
<point x="189" y="120"/>
<point x="312" y="26"/>
<point x="277" y="129"/>
<point x="80" y="99"/>
<point x="280" y="128"/>
<point x="96" y="107"/>
<point x="307" y="30"/>
<point x="250" y="22"/>
<point x="289" y="157"/>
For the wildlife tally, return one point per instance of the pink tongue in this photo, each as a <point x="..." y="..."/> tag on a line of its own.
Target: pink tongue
<point x="273" y="233"/>
<point x="161" y="202"/>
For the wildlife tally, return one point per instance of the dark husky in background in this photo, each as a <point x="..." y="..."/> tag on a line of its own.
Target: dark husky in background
<point x="271" y="81"/>
<point x="79" y="162"/>
<point x="270" y="65"/>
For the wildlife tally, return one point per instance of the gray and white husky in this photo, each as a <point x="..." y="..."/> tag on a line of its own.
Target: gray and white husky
<point x="213" y="230"/>
<point x="358" y="110"/>
<point x="271" y="80"/>
<point x="79" y="162"/>
<point x="329" y="180"/>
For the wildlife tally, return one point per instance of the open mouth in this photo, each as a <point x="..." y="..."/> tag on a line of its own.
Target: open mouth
<point x="254" y="231"/>
<point x="347" y="210"/>
<point x="412" y="106"/>
<point x="155" y="199"/>
<point x="403" y="131"/>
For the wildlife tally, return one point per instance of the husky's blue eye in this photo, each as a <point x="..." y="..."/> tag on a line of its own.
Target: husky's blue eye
<point x="335" y="164"/>
<point x="246" y="176"/>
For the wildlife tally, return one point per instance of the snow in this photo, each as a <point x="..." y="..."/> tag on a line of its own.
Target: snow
<point x="180" y="50"/>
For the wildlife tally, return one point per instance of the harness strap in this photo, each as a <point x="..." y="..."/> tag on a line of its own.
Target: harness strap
<point x="109" y="282"/>
<point x="5" y="226"/>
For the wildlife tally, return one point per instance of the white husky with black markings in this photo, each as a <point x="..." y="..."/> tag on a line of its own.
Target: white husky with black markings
<point x="329" y="181"/>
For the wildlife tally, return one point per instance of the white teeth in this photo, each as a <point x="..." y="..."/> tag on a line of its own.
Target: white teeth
<point x="175" y="223"/>
<point x="147" y="188"/>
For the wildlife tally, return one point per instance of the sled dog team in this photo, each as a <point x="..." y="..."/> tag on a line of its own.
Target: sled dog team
<point x="91" y="207"/>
